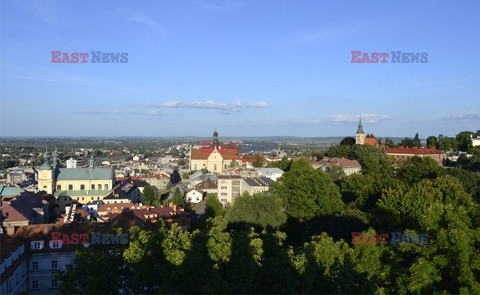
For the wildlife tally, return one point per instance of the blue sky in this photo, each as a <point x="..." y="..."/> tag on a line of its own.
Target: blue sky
<point x="250" y="68"/>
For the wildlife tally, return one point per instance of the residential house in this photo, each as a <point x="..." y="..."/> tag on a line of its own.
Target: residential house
<point x="24" y="209"/>
<point x="194" y="195"/>
<point x="255" y="185"/>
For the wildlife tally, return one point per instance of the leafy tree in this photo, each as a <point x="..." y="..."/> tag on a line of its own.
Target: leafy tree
<point x="233" y="164"/>
<point x="151" y="196"/>
<point x="407" y="142"/>
<point x="258" y="161"/>
<point x="284" y="164"/>
<point x="307" y="192"/>
<point x="416" y="141"/>
<point x="340" y="151"/>
<point x="185" y="175"/>
<point x="464" y="140"/>
<point x="431" y="142"/>
<point x="348" y="141"/>
<point x="415" y="169"/>
<point x="264" y="210"/>
<point x="213" y="207"/>
<point x="177" y="198"/>
<point x="181" y="162"/>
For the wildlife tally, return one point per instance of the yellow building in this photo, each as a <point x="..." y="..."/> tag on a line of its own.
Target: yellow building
<point x="74" y="184"/>
<point x="214" y="159"/>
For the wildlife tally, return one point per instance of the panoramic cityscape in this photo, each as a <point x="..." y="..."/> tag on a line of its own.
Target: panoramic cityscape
<point x="239" y="147"/>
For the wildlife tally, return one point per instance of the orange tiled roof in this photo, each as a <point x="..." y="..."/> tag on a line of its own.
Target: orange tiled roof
<point x="371" y="141"/>
<point x="414" y="151"/>
<point x="203" y="154"/>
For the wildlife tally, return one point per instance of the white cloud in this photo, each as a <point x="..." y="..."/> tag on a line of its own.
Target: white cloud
<point x="172" y="104"/>
<point x="467" y="116"/>
<point x="257" y="104"/>
<point x="209" y="104"/>
<point x="370" y="118"/>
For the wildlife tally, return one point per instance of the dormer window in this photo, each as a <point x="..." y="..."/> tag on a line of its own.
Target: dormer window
<point x="37" y="245"/>
<point x="56" y="244"/>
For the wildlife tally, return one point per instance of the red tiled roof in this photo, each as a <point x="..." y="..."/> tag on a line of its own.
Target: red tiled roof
<point x="371" y="141"/>
<point x="414" y="151"/>
<point x="227" y="154"/>
<point x="207" y="184"/>
<point x="158" y="212"/>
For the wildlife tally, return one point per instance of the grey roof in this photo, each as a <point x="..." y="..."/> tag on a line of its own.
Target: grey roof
<point x="267" y="171"/>
<point x="360" y="128"/>
<point x="10" y="190"/>
<point x="258" y="181"/>
<point x="84" y="173"/>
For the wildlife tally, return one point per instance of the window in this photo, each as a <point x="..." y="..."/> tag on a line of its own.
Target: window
<point x="36" y="245"/>
<point x="223" y="187"/>
<point x="82" y="187"/>
<point x="83" y="198"/>
<point x="224" y="194"/>
<point x="54" y="264"/>
<point x="224" y="200"/>
<point x="93" y="186"/>
<point x="54" y="283"/>
<point x="214" y="167"/>
<point x="34" y="284"/>
<point x="35" y="265"/>
<point x="105" y="186"/>
<point x="56" y="244"/>
<point x="59" y="187"/>
<point x="70" y="187"/>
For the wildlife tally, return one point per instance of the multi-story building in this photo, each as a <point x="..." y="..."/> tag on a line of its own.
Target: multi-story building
<point x="403" y="153"/>
<point x="229" y="187"/>
<point x="74" y="184"/>
<point x="214" y="159"/>
<point x="13" y="266"/>
<point x="348" y="166"/>
<point x="255" y="185"/>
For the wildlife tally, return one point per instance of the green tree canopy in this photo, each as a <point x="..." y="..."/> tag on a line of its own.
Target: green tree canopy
<point x="264" y="210"/>
<point x="213" y="207"/>
<point x="307" y="192"/>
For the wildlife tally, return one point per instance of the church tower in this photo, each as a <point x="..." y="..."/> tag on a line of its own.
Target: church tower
<point x="215" y="140"/>
<point x="360" y="136"/>
<point x="45" y="175"/>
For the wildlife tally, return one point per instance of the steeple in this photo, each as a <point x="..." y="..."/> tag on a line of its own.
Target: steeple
<point x="55" y="158"/>
<point x="360" y="128"/>
<point x="91" y="162"/>
<point x="46" y="163"/>
<point x="215" y="139"/>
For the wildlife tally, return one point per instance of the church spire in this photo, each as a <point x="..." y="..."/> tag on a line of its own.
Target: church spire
<point x="46" y="163"/>
<point x="360" y="128"/>
<point x="91" y="162"/>
<point x="215" y="139"/>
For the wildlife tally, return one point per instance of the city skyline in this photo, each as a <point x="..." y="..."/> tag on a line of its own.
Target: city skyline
<point x="245" y="68"/>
